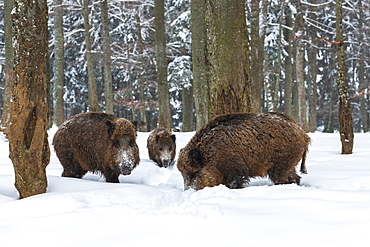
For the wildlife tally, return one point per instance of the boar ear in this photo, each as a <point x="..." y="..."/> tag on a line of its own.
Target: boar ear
<point x="157" y="138"/>
<point x="110" y="127"/>
<point x="195" y="156"/>
<point x="173" y="137"/>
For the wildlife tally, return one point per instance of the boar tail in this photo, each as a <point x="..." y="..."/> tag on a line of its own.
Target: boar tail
<point x="303" y="163"/>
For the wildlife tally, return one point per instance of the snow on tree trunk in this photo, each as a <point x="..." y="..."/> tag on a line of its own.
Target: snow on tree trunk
<point x="28" y="143"/>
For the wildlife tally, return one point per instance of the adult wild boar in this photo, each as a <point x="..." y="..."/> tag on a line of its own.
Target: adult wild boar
<point x="161" y="146"/>
<point x="96" y="142"/>
<point x="232" y="148"/>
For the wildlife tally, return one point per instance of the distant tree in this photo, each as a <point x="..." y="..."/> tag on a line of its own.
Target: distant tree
<point x="164" y="114"/>
<point x="200" y="64"/>
<point x="93" y="94"/>
<point x="228" y="57"/>
<point x="59" y="63"/>
<point x="107" y="68"/>
<point x="257" y="37"/>
<point x="345" y="114"/>
<point x="8" y="5"/>
<point x="28" y="142"/>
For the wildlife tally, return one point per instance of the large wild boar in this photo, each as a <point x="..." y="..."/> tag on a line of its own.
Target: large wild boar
<point x="232" y="148"/>
<point x="161" y="146"/>
<point x="96" y="142"/>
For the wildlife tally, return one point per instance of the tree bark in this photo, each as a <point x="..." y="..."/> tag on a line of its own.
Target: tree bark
<point x="28" y="143"/>
<point x="164" y="114"/>
<point x="187" y="109"/>
<point x="200" y="63"/>
<point x="345" y="116"/>
<point x="5" y="118"/>
<point x="257" y="55"/>
<point x="288" y="82"/>
<point x="299" y="62"/>
<point x="361" y="71"/>
<point x="59" y="63"/>
<point x="107" y="62"/>
<point x="92" y="94"/>
<point x="228" y="56"/>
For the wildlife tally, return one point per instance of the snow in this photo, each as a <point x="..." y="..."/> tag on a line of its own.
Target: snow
<point x="150" y="208"/>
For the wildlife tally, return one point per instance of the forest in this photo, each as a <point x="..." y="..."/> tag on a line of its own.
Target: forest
<point x="277" y="30"/>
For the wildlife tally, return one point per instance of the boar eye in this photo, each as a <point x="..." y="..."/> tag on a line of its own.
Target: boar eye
<point x="170" y="149"/>
<point x="160" y="149"/>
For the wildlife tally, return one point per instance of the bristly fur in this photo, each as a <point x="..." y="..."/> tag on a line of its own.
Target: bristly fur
<point x="232" y="148"/>
<point x="91" y="142"/>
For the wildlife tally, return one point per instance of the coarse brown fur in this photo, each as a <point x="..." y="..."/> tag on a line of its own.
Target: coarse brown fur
<point x="232" y="148"/>
<point x="96" y="142"/>
<point x="161" y="146"/>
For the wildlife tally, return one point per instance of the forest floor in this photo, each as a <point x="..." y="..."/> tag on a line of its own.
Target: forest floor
<point x="150" y="207"/>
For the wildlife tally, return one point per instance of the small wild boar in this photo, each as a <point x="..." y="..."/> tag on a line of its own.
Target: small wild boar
<point x="161" y="146"/>
<point x="96" y="142"/>
<point x="232" y="148"/>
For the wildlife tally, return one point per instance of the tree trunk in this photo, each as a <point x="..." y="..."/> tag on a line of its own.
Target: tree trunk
<point x="288" y="82"/>
<point x="200" y="64"/>
<point x="92" y="94"/>
<point x="187" y="109"/>
<point x="164" y="115"/>
<point x="107" y="70"/>
<point x="5" y="118"/>
<point x="345" y="116"/>
<point x="299" y="62"/>
<point x="59" y="63"/>
<point x="312" y="60"/>
<point x="28" y="142"/>
<point x="228" y="56"/>
<point x="257" y="55"/>
<point x="361" y="71"/>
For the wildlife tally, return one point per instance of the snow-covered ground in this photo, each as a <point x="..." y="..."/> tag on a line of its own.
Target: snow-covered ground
<point x="150" y="208"/>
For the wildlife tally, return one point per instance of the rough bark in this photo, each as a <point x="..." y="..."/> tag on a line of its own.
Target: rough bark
<point x="288" y="82"/>
<point x="28" y="143"/>
<point x="5" y="118"/>
<point x="299" y="62"/>
<point x="361" y="71"/>
<point x="228" y="56"/>
<point x="345" y="115"/>
<point x="200" y="64"/>
<point x="164" y="114"/>
<point x="187" y="109"/>
<point x="257" y="55"/>
<point x="59" y="63"/>
<point x="92" y="94"/>
<point x="107" y="70"/>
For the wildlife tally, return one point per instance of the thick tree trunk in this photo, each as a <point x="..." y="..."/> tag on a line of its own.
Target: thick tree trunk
<point x="92" y="94"/>
<point x="107" y="70"/>
<point x="28" y="143"/>
<point x="59" y="63"/>
<point x="200" y="64"/>
<point x="345" y="115"/>
<point x="228" y="56"/>
<point x="164" y="115"/>
<point x="5" y="118"/>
